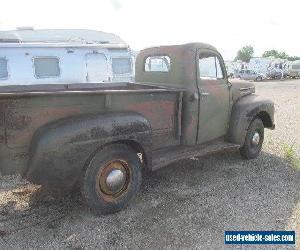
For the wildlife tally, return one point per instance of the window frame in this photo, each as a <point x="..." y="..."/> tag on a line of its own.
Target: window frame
<point x="46" y="57"/>
<point x="217" y="57"/>
<point x="157" y="55"/>
<point x="7" y="70"/>
<point x="119" y="74"/>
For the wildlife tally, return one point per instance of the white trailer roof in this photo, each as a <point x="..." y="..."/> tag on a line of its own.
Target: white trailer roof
<point x="59" y="36"/>
<point x="64" y="45"/>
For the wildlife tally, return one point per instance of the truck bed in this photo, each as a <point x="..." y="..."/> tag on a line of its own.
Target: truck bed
<point x="26" y="108"/>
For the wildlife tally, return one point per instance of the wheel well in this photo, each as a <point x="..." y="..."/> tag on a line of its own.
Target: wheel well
<point x="266" y="119"/>
<point x="137" y="147"/>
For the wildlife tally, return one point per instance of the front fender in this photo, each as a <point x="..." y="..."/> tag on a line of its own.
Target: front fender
<point x="60" y="150"/>
<point x="244" y="111"/>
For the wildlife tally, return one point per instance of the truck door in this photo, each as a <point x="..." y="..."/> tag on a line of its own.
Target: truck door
<point x="97" y="68"/>
<point x="214" y="96"/>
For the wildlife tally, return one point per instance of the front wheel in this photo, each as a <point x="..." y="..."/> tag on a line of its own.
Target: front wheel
<point x="112" y="179"/>
<point x="253" y="140"/>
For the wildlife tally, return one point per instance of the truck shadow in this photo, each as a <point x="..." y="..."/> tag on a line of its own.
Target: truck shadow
<point x="202" y="196"/>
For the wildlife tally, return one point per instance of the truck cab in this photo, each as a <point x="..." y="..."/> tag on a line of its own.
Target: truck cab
<point x="208" y="98"/>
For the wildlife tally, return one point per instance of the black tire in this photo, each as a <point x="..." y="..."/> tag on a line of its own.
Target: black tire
<point x="250" y="149"/>
<point x="94" y="187"/>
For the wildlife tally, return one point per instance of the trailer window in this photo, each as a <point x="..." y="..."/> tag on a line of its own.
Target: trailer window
<point x="121" y="65"/>
<point x="3" y="68"/>
<point x="46" y="67"/>
<point x="157" y="64"/>
<point x="296" y="66"/>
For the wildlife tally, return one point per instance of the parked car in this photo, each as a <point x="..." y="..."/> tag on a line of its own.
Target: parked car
<point x="275" y="73"/>
<point x="103" y="135"/>
<point x="248" y="74"/>
<point x="63" y="56"/>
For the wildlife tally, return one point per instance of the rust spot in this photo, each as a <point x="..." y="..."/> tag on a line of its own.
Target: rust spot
<point x="17" y="121"/>
<point x="20" y="128"/>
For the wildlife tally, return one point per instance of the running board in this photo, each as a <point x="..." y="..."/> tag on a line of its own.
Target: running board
<point x="164" y="156"/>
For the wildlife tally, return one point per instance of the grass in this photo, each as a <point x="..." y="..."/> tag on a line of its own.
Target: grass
<point x="289" y="155"/>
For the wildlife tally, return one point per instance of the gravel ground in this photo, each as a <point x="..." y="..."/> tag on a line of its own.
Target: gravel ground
<point x="187" y="205"/>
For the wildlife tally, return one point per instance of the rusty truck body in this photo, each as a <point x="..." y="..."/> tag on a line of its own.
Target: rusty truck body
<point x="102" y="135"/>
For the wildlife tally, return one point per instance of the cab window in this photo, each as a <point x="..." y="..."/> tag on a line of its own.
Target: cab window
<point x="157" y="64"/>
<point x="210" y="68"/>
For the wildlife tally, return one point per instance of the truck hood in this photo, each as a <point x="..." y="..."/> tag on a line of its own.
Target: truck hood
<point x="241" y="88"/>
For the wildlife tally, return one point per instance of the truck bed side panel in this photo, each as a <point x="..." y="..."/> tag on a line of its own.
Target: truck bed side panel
<point x="23" y="115"/>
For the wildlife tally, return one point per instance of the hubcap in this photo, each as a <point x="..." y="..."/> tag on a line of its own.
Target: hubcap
<point x="115" y="180"/>
<point x="255" y="138"/>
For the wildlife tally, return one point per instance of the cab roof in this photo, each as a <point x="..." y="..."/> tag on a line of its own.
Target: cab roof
<point x="178" y="48"/>
<point x="182" y="58"/>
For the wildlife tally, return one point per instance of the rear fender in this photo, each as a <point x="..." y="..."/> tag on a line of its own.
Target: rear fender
<point x="60" y="150"/>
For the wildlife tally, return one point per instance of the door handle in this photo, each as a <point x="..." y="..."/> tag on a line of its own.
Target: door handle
<point x="204" y="94"/>
<point x="194" y="97"/>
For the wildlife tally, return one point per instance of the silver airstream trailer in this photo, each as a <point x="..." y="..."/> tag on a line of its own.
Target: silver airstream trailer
<point x="29" y="56"/>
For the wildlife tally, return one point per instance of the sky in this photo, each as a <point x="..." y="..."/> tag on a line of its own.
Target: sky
<point x="226" y="24"/>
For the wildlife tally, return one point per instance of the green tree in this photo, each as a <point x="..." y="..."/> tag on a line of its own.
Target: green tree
<point x="245" y="53"/>
<point x="293" y="58"/>
<point x="283" y="55"/>
<point x="271" y="52"/>
<point x="278" y="54"/>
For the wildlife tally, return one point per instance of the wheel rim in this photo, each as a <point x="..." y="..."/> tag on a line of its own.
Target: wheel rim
<point x="114" y="179"/>
<point x="255" y="140"/>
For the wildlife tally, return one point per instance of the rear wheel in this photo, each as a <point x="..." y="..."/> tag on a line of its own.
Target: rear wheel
<point x="253" y="140"/>
<point x="112" y="179"/>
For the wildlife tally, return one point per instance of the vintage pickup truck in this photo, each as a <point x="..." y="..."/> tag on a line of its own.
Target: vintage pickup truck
<point x="102" y="136"/>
